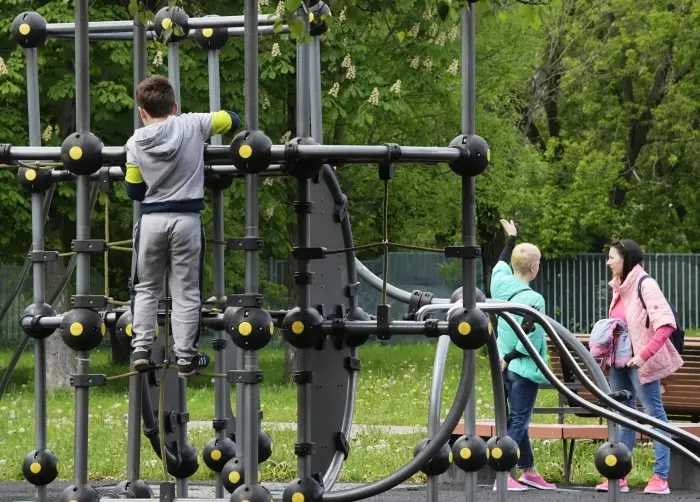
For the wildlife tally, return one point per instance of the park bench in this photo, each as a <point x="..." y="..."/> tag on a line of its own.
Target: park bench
<point x="681" y="402"/>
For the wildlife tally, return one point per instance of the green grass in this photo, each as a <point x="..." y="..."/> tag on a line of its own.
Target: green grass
<point x="393" y="389"/>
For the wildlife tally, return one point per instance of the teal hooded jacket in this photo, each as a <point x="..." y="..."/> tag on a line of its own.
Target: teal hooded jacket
<point x="504" y="285"/>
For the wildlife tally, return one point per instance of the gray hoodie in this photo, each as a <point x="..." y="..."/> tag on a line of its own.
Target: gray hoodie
<point x="170" y="156"/>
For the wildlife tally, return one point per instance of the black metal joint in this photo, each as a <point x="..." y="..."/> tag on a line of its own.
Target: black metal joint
<point x="383" y="322"/>
<point x="340" y="211"/>
<point x="352" y="364"/>
<point x="167" y="491"/>
<point x="219" y="343"/>
<point x="304" y="449"/>
<point x="303" y="278"/>
<point x="386" y="166"/>
<point x="220" y="425"/>
<point x="309" y="253"/>
<point x="242" y="376"/>
<point x="245" y="243"/>
<point x="43" y="256"/>
<point x="303" y="207"/>
<point x="250" y="301"/>
<point x="302" y="377"/>
<point x="88" y="380"/>
<point x="431" y="328"/>
<point x="342" y="444"/>
<point x="467" y="252"/>
<point x="5" y="153"/>
<point x="88" y="301"/>
<point x="352" y="290"/>
<point x="291" y="152"/>
<point x="106" y="184"/>
<point x="183" y="418"/>
<point x="89" y="245"/>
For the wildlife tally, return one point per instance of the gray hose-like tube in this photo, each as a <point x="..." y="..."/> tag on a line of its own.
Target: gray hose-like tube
<point x="465" y="384"/>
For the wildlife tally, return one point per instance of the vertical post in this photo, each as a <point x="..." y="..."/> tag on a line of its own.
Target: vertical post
<point x="174" y="78"/>
<point x="469" y="204"/>
<point x="133" y="448"/>
<point x="38" y="268"/>
<point x="220" y="385"/>
<point x="303" y="360"/>
<point x="251" y="396"/>
<point x="82" y="218"/>
<point x="316" y="99"/>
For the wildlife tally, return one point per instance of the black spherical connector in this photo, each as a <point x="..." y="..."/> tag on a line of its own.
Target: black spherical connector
<point x="85" y="493"/>
<point x="469" y="329"/>
<point x="168" y="18"/>
<point x="123" y="329"/>
<point x="469" y="453"/>
<point x="303" y="168"/>
<point x="252" y="493"/>
<point x="29" y="30"/>
<point x="502" y="453"/>
<point x="251" y="152"/>
<point x="303" y="490"/>
<point x="249" y="328"/>
<point x="357" y="314"/>
<point x="233" y="475"/>
<point x="82" y="329"/>
<point x="33" y="313"/>
<point x="130" y="490"/>
<point x="302" y="328"/>
<point x="217" y="452"/>
<point x="459" y="294"/>
<point x="613" y="460"/>
<point x="439" y="462"/>
<point x="185" y="463"/>
<point x="212" y="39"/>
<point x="34" y="180"/>
<point x="81" y="153"/>
<point x="40" y="467"/>
<point x="475" y="155"/>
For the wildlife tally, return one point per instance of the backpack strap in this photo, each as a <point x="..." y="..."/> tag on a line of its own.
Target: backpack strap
<point x="641" y="298"/>
<point x="517" y="293"/>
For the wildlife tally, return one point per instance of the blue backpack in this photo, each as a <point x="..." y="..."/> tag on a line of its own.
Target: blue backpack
<point x="678" y="336"/>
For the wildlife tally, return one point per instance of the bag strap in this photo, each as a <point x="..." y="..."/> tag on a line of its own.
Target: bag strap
<point x="641" y="298"/>
<point x="517" y="293"/>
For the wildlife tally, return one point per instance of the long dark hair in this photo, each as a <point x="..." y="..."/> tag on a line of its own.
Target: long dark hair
<point x="632" y="255"/>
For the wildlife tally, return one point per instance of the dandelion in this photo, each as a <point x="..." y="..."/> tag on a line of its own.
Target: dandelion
<point x="158" y="60"/>
<point x="334" y="90"/>
<point x="21" y="430"/>
<point x="415" y="62"/>
<point x="276" y="50"/>
<point x="350" y="75"/>
<point x="454" y="66"/>
<point x="347" y="62"/>
<point x="396" y="88"/>
<point x="3" y="67"/>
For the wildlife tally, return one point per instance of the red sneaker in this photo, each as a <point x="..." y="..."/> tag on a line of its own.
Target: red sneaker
<point x="657" y="486"/>
<point x="603" y="487"/>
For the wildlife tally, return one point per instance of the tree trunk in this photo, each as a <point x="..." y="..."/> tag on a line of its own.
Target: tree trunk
<point x="59" y="357"/>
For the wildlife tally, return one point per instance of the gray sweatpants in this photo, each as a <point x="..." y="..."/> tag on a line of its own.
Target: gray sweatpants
<point x="168" y="243"/>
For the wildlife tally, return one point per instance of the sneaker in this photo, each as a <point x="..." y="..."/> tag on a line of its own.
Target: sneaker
<point x="141" y="359"/>
<point x="192" y="365"/>
<point x="513" y="486"/>
<point x="657" y="486"/>
<point x="536" y="481"/>
<point x="603" y="487"/>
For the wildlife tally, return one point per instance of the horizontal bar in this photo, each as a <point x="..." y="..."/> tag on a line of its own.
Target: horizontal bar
<point x="127" y="36"/>
<point x="116" y="173"/>
<point x="128" y="26"/>
<point x="345" y="153"/>
<point x="52" y="322"/>
<point x="363" y="328"/>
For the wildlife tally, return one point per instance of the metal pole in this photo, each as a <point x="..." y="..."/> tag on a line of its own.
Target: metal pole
<point x="316" y="99"/>
<point x="82" y="218"/>
<point x="443" y="346"/>
<point x="38" y="267"/>
<point x="303" y="361"/>
<point x="499" y="406"/>
<point x="469" y="205"/>
<point x="251" y="397"/>
<point x="133" y="448"/>
<point x="220" y="385"/>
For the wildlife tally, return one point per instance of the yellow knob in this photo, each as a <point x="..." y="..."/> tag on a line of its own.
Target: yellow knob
<point x="465" y="453"/>
<point x="245" y="328"/>
<point x="30" y="175"/>
<point x="450" y="457"/>
<point x="76" y="329"/>
<point x="216" y="455"/>
<point x="75" y="153"/>
<point x="497" y="453"/>
<point x="611" y="460"/>
<point x="488" y="155"/>
<point x="167" y="23"/>
<point x="298" y="497"/>
<point x="207" y="32"/>
<point x="24" y="29"/>
<point x="245" y="151"/>
<point x="517" y="453"/>
<point x="297" y="327"/>
<point x="272" y="328"/>
<point x="127" y="330"/>
<point x="103" y="329"/>
<point x="35" y="467"/>
<point x="234" y="477"/>
<point x="464" y="328"/>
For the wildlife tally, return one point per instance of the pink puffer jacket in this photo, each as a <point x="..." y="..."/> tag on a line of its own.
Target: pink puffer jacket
<point x="667" y="360"/>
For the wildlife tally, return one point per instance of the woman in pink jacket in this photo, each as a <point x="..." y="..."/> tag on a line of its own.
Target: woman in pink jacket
<point x="654" y="355"/>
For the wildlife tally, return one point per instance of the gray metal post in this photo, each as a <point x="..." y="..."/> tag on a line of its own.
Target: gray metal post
<point x="303" y="361"/>
<point x="133" y="448"/>
<point x="220" y="385"/>
<point x="499" y="406"/>
<point x="174" y="78"/>
<point x="38" y="268"/>
<point x="82" y="219"/>
<point x="443" y="347"/>
<point x="316" y="97"/>
<point x="251" y="396"/>
<point x="469" y="204"/>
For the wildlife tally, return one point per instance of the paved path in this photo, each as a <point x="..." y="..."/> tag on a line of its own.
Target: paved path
<point x="23" y="492"/>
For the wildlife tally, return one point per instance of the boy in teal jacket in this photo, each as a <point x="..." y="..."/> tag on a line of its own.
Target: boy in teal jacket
<point x="521" y="375"/>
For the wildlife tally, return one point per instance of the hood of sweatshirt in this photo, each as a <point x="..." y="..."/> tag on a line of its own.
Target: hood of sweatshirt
<point x="160" y="141"/>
